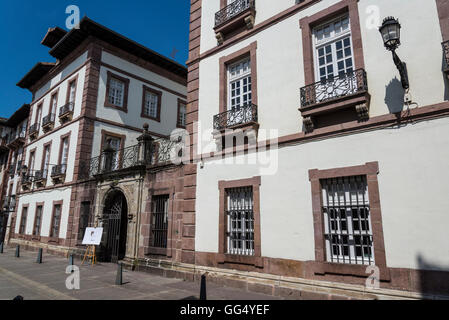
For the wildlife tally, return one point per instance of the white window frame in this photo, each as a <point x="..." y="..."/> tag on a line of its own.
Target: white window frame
<point x="239" y="78"/>
<point x="182" y="115"/>
<point x="151" y="104"/>
<point x="332" y="40"/>
<point x="116" y="94"/>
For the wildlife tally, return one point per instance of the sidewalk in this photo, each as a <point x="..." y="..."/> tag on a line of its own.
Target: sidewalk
<point x="47" y="281"/>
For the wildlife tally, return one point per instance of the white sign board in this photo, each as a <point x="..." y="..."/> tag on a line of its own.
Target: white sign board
<point x="92" y="236"/>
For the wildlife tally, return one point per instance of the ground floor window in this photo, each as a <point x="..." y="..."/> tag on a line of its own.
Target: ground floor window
<point x="240" y="221"/>
<point x="159" y="221"/>
<point x="37" y="221"/>
<point x="55" y="221"/>
<point x="84" y="219"/>
<point x="347" y="220"/>
<point x="23" y="220"/>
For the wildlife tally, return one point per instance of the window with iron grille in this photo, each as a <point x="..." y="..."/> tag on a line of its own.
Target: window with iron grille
<point x="84" y="219"/>
<point x="347" y="221"/>
<point x="54" y="231"/>
<point x="37" y="221"/>
<point x="240" y="221"/>
<point x="23" y="220"/>
<point x="159" y="221"/>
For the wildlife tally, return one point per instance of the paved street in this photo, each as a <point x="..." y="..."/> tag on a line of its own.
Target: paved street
<point x="47" y="281"/>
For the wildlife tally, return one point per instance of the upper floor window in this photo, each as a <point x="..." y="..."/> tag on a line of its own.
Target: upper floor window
<point x="151" y="104"/>
<point x="65" y="151"/>
<point x="71" y="92"/>
<point x="53" y="103"/>
<point x="38" y="114"/>
<point x="117" y="92"/>
<point x="333" y="49"/>
<point x="182" y="112"/>
<point x="239" y="77"/>
<point x="45" y="160"/>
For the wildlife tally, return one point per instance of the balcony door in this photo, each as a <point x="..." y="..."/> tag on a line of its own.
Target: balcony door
<point x="239" y="89"/>
<point x="334" y="62"/>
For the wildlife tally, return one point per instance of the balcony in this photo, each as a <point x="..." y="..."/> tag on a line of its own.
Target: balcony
<point x="66" y="112"/>
<point x="48" y="122"/>
<point x="27" y="181"/>
<point x="16" y="140"/>
<point x="236" y="118"/>
<point x="112" y="162"/>
<point x="34" y="131"/>
<point x="347" y="91"/>
<point x="446" y="57"/>
<point x="58" y="173"/>
<point x="40" y="177"/>
<point x="239" y="15"/>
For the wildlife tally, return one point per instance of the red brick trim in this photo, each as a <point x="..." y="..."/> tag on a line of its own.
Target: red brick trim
<point x="370" y="170"/>
<point x="223" y="257"/>
<point x="179" y="125"/>
<point x="308" y="23"/>
<point x="225" y="61"/>
<point x="38" y="204"/>
<point x="55" y="238"/>
<point x="443" y="15"/>
<point x="125" y="81"/>
<point x="158" y="93"/>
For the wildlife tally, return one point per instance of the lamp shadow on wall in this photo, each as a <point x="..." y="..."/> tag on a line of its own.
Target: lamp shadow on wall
<point x="432" y="278"/>
<point x="394" y="96"/>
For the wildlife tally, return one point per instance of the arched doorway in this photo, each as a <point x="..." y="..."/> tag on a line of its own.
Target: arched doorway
<point x="115" y="226"/>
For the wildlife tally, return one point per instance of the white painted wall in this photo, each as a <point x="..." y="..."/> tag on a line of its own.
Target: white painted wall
<point x="413" y="193"/>
<point x="48" y="197"/>
<point x="280" y="61"/>
<point x="169" y="104"/>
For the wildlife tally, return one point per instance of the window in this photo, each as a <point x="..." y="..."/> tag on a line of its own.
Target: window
<point x="55" y="222"/>
<point x="38" y="114"/>
<point x="53" y="103"/>
<point x="37" y="221"/>
<point x="347" y="221"/>
<point x="84" y="219"/>
<point x="151" y="104"/>
<point x="240" y="217"/>
<point x="116" y="142"/>
<point x="64" y="153"/>
<point x="45" y="161"/>
<point x="182" y="112"/>
<point x="31" y="161"/>
<point x="159" y="221"/>
<point x="23" y="220"/>
<point x="71" y="92"/>
<point x="116" y="92"/>
<point x="239" y="77"/>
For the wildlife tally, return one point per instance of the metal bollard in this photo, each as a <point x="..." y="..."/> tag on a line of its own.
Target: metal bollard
<point x="1" y="247"/>
<point x="39" y="256"/>
<point x="119" y="278"/>
<point x="18" y="251"/>
<point x="71" y="261"/>
<point x="203" y="294"/>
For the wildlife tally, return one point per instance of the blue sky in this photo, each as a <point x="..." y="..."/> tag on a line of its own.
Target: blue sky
<point x="159" y="25"/>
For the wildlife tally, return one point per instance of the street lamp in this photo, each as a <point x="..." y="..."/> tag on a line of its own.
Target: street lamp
<point x="391" y="36"/>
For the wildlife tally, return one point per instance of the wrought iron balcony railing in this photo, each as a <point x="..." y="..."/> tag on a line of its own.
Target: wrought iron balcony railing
<point x="160" y="151"/>
<point x="48" y="119"/>
<point x="9" y="203"/>
<point x="34" y="128"/>
<point x="232" y="10"/>
<point x="40" y="175"/>
<point x="65" y="109"/>
<point x="27" y="178"/>
<point x="237" y="116"/>
<point x="59" y="170"/>
<point x="446" y="56"/>
<point x="331" y="89"/>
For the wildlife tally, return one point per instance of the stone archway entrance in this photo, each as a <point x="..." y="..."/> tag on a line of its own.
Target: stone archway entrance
<point x="115" y="226"/>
